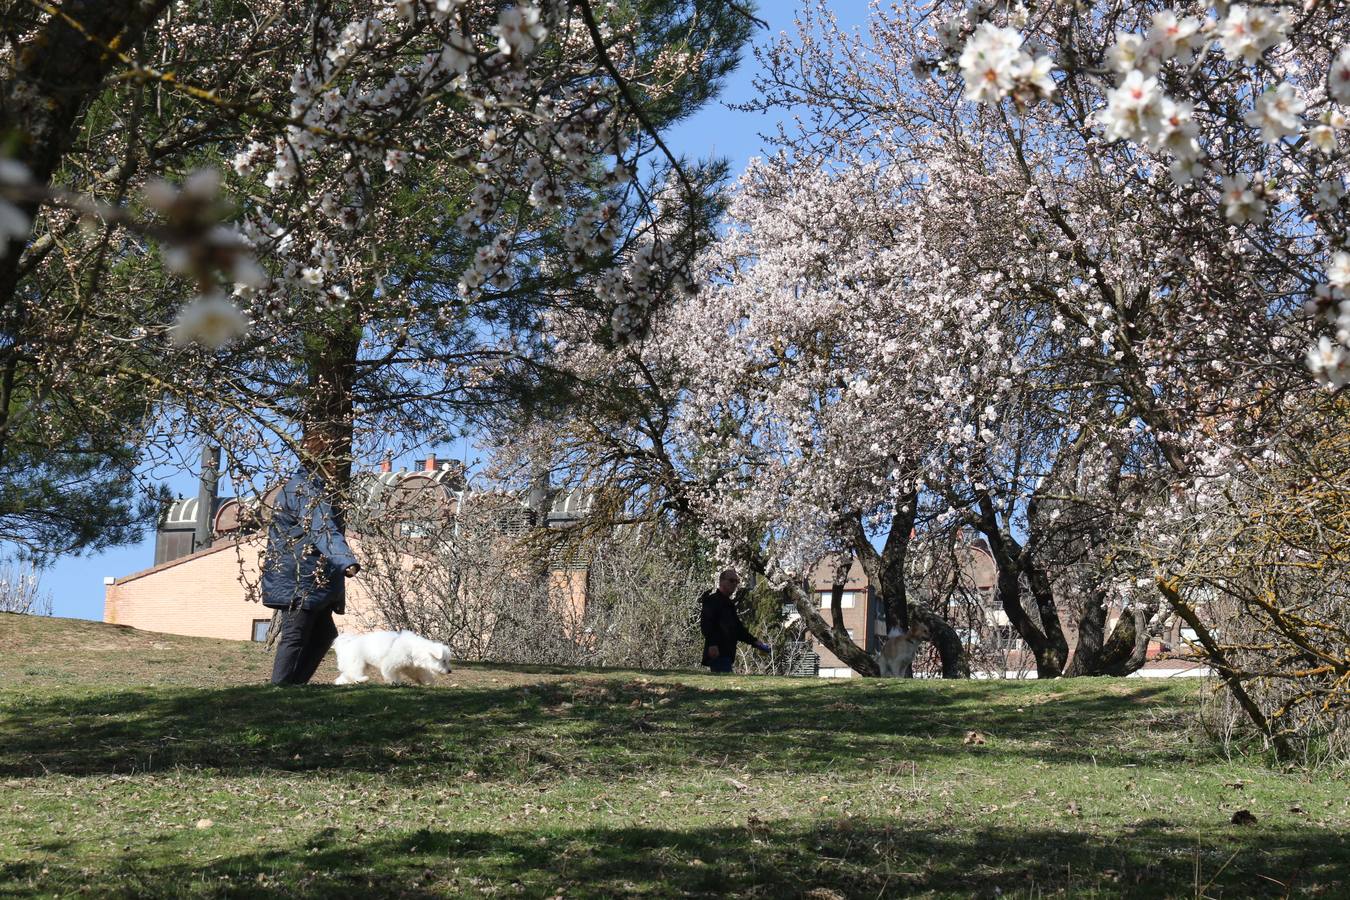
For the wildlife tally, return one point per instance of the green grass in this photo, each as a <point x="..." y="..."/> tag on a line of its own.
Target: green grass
<point x="142" y="765"/>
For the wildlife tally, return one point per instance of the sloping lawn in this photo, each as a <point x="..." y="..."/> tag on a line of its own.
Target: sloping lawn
<point x="137" y="765"/>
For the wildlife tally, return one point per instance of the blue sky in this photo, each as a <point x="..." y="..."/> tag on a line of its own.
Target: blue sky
<point x="76" y="583"/>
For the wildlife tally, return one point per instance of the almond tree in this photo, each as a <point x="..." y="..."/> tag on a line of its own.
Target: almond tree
<point x="1233" y="121"/>
<point x="1165" y="192"/>
<point x="1142" y="262"/>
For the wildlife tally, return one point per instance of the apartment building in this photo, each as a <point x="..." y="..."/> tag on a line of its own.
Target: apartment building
<point x="865" y="617"/>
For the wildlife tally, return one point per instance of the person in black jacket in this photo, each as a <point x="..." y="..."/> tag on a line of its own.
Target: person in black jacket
<point x="721" y="625"/>
<point x="303" y="570"/>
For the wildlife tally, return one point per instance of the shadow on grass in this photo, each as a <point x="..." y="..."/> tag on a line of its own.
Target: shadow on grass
<point x="849" y="858"/>
<point x="549" y="730"/>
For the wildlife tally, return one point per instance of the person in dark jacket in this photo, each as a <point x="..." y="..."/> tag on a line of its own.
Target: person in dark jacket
<point x="304" y="568"/>
<point x="721" y="625"/>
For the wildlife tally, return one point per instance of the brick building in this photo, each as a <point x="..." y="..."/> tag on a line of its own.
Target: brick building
<point x="865" y="617"/>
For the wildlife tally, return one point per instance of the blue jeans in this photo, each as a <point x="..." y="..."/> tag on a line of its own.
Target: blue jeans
<point x="720" y="666"/>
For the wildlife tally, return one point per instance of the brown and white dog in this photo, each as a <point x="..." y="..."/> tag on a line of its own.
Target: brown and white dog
<point x="898" y="652"/>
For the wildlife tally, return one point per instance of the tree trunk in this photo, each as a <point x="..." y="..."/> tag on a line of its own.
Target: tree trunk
<point x="1230" y="674"/>
<point x="55" y="76"/>
<point x="894" y="555"/>
<point x="1012" y="563"/>
<point x="886" y="570"/>
<point x="951" y="652"/>
<point x="273" y="631"/>
<point x="836" y="640"/>
<point x="52" y="80"/>
<point x="1127" y="649"/>
<point x="1054" y="655"/>
<point x="1087" y="653"/>
<point x="327" y="407"/>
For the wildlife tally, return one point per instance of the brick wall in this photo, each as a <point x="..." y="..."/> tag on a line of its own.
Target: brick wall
<point x="203" y="595"/>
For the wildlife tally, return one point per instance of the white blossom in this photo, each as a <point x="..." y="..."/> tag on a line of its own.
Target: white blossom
<point x="246" y="273"/>
<point x="1247" y="32"/>
<point x="245" y="161"/>
<point x="950" y="33"/>
<point x="14" y="225"/>
<point x="1328" y="363"/>
<point x="1338" y="79"/>
<point x="987" y="62"/>
<point x="1127" y="53"/>
<point x="1328" y="193"/>
<point x="1338" y="272"/>
<point x="1323" y="137"/>
<point x="458" y="54"/>
<point x="1177" y="130"/>
<point x="1033" y="73"/>
<point x="518" y="29"/>
<point x="13" y="172"/>
<point x="1277" y="113"/>
<point x="994" y="65"/>
<point x="1240" y="202"/>
<point x="1184" y="171"/>
<point x="1169" y="37"/>
<point x="210" y="320"/>
<point x="1134" y="109"/>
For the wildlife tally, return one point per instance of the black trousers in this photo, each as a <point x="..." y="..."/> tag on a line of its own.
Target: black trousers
<point x="306" y="635"/>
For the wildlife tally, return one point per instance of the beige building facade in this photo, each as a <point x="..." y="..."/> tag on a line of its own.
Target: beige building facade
<point x="205" y="594"/>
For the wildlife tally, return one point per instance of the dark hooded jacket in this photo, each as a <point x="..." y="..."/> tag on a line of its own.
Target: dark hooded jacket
<point x="306" y="551"/>
<point x="721" y="625"/>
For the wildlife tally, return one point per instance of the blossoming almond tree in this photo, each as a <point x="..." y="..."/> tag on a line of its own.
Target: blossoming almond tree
<point x="1175" y="246"/>
<point x="1233" y="118"/>
<point x="1244" y="106"/>
<point x="1150" y="319"/>
<point x="774" y="408"/>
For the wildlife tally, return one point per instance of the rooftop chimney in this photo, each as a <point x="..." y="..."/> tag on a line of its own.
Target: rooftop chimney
<point x="540" y="484"/>
<point x="206" y="497"/>
<point x="430" y="465"/>
<point x="386" y="465"/>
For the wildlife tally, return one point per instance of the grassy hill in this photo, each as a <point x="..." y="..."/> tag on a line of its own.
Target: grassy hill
<point x="136" y="764"/>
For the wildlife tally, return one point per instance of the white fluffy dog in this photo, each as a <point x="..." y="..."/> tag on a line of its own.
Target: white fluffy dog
<point x="399" y="657"/>
<point x="898" y="651"/>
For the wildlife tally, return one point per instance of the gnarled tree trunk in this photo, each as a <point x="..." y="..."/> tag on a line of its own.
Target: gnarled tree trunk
<point x="1045" y="639"/>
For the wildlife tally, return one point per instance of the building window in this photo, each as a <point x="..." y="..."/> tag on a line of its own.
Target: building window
<point x="260" y="627"/>
<point x="846" y="601"/>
